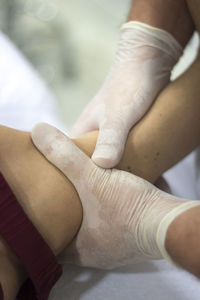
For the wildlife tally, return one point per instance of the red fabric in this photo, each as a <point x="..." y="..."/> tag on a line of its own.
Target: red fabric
<point x="1" y="293"/>
<point x="27" y="243"/>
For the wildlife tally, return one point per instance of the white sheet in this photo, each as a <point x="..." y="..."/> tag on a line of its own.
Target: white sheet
<point x="24" y="100"/>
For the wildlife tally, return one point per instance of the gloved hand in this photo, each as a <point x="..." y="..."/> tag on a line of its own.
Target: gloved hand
<point x="142" y="68"/>
<point x="125" y="218"/>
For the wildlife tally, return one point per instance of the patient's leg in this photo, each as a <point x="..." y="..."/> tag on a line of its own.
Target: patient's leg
<point x="166" y="134"/>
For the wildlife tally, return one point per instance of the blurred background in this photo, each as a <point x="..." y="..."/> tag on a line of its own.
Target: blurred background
<point x="71" y="43"/>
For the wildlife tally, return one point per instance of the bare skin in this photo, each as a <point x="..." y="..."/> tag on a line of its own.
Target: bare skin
<point x="182" y="240"/>
<point x="173" y="17"/>
<point x="194" y="8"/>
<point x="159" y="140"/>
<point x="47" y="198"/>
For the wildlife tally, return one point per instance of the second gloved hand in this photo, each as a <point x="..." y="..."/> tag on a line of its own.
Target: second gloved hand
<point x="142" y="68"/>
<point x="125" y="218"/>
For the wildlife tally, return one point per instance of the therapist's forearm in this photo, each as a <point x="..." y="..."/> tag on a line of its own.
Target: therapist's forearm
<point x="172" y="16"/>
<point x="183" y="240"/>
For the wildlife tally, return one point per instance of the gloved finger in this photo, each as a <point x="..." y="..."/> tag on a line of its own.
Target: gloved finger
<point x="62" y="152"/>
<point x="110" y="145"/>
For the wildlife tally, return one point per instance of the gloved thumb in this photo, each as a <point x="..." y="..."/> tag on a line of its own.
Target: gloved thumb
<point x="110" y="146"/>
<point x="61" y="152"/>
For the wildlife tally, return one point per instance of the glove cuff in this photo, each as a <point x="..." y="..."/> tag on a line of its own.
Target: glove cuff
<point x="172" y="46"/>
<point x="164" y="225"/>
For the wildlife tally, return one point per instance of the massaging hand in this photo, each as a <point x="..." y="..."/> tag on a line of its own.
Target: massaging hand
<point x="122" y="213"/>
<point x="142" y="67"/>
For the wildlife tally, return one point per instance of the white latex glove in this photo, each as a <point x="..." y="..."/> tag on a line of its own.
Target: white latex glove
<point x="125" y="218"/>
<point x="142" y="68"/>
